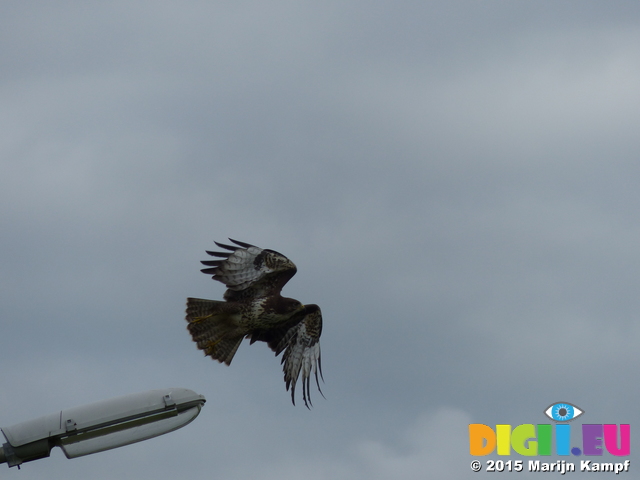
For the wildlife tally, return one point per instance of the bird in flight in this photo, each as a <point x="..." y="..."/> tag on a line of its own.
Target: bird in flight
<point x="253" y="308"/>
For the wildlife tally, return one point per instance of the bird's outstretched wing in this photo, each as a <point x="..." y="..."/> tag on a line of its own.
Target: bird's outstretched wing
<point x="301" y="345"/>
<point x="247" y="267"/>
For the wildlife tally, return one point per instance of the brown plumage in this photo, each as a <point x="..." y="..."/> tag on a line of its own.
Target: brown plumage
<point x="254" y="308"/>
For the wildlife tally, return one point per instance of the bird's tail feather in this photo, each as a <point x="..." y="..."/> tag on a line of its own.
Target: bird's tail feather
<point x="215" y="327"/>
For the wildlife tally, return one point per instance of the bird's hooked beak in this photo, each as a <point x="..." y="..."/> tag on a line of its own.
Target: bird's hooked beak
<point x="300" y="309"/>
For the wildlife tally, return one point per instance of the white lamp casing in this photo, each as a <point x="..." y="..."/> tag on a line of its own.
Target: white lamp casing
<point x="102" y="425"/>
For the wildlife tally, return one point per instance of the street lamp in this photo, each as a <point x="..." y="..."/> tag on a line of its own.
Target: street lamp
<point x="102" y="425"/>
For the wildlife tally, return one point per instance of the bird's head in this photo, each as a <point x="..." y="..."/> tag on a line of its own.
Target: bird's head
<point x="291" y="305"/>
<point x="311" y="308"/>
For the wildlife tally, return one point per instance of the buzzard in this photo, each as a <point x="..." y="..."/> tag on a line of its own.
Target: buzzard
<point x="253" y="308"/>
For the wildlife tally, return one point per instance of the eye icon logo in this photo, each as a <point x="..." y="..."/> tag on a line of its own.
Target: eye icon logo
<point x="563" y="412"/>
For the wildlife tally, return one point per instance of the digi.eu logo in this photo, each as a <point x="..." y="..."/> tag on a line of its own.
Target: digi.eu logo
<point x="529" y="440"/>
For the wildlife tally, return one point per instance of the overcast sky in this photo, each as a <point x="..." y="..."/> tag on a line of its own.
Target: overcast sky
<point x="457" y="182"/>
